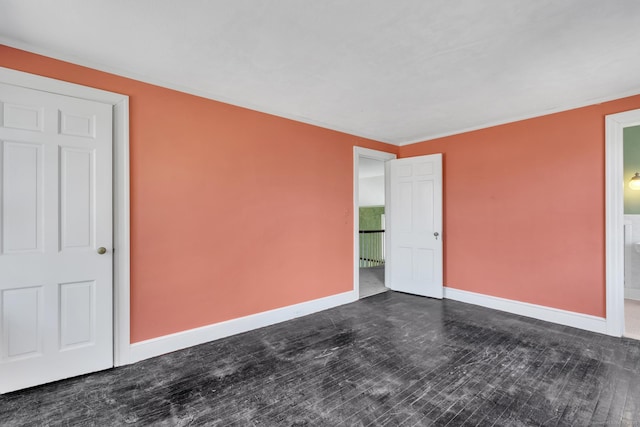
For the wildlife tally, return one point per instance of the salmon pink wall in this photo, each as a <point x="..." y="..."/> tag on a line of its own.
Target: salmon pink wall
<point x="233" y="212"/>
<point x="524" y="208"/>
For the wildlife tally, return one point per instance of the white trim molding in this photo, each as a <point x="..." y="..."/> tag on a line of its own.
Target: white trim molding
<point x="614" y="214"/>
<point x="120" y="103"/>
<point x="548" y="314"/>
<point x="157" y="346"/>
<point x="383" y="156"/>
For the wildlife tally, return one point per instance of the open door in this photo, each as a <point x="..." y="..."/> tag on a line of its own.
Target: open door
<point x="414" y="225"/>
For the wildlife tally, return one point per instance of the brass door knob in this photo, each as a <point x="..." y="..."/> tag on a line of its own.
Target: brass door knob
<point x="102" y="250"/>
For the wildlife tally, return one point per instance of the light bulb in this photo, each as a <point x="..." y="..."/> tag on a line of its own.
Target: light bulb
<point x="634" y="184"/>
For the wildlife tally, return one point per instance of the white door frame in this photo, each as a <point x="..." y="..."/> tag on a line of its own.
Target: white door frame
<point x="383" y="156"/>
<point x="614" y="237"/>
<point x="121" y="263"/>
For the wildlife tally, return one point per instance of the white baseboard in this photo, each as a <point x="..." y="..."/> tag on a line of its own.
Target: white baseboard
<point x="548" y="314"/>
<point x="168" y="343"/>
<point x="631" y="293"/>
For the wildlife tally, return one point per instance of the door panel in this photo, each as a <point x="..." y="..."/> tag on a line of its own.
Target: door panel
<point x="414" y="225"/>
<point x="76" y="198"/>
<point x="77" y="314"/>
<point x="21" y="198"/>
<point x="22" y="322"/>
<point x="423" y="207"/>
<point x="23" y="117"/>
<point x="55" y="190"/>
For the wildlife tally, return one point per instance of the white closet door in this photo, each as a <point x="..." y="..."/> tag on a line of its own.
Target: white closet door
<point x="55" y="237"/>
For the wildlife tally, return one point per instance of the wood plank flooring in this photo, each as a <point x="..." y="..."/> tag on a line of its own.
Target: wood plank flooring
<point x="390" y="359"/>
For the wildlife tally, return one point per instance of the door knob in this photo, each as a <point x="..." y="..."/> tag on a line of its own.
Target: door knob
<point x="102" y="250"/>
<point x="436" y="234"/>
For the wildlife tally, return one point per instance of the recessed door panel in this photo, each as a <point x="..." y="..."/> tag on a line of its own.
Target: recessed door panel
<point x="22" y="117"/>
<point x="77" y="314"/>
<point x="77" y="124"/>
<point x="405" y="207"/>
<point x="22" y="219"/>
<point x="423" y="206"/>
<point x="425" y="264"/>
<point x="424" y="169"/>
<point x="76" y="198"/>
<point x="22" y="318"/>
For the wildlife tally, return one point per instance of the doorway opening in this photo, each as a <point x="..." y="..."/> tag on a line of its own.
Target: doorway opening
<point x="622" y="235"/>
<point x="371" y="227"/>
<point x="631" y="167"/>
<point x="369" y="221"/>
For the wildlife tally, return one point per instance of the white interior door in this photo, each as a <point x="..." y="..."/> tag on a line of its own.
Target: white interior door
<point x="55" y="216"/>
<point x="414" y="225"/>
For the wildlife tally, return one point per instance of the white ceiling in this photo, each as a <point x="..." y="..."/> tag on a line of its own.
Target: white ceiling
<point x="394" y="71"/>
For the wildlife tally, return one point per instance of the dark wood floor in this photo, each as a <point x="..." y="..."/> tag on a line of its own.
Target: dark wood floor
<point x="391" y="359"/>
